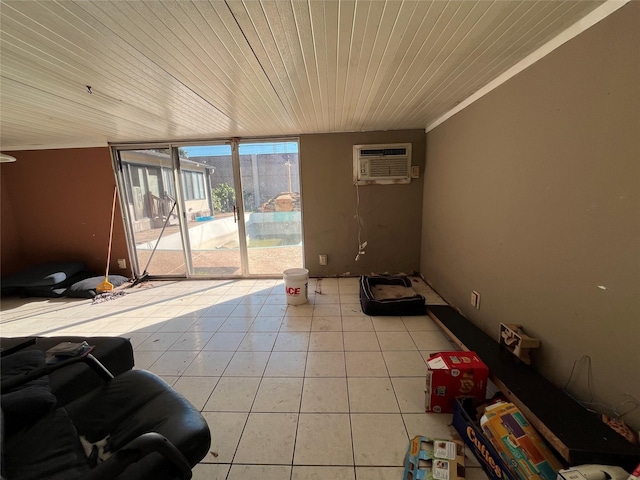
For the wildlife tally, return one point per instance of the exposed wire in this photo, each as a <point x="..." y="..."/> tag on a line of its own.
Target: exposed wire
<point x="361" y="245"/>
<point x="613" y="411"/>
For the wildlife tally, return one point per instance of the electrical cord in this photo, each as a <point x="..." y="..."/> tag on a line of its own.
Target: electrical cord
<point x="614" y="411"/>
<point x="361" y="246"/>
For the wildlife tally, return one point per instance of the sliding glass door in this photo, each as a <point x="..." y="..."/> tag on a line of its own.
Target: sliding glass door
<point x="213" y="209"/>
<point x="272" y="206"/>
<point x="149" y="194"/>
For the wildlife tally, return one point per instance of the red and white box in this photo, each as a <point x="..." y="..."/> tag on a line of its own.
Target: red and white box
<point x="451" y="375"/>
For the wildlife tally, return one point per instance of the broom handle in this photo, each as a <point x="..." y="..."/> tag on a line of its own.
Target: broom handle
<point x="113" y="210"/>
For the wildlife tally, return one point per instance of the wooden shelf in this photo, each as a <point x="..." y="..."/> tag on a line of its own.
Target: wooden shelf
<point x="579" y="436"/>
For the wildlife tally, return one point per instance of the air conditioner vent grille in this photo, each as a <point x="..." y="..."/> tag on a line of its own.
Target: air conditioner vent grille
<point x="378" y="152"/>
<point x="388" y="167"/>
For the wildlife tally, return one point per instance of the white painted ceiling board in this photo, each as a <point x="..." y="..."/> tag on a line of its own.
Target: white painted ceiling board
<point x="170" y="70"/>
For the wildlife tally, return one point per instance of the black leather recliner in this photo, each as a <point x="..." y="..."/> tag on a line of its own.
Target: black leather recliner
<point x="134" y="426"/>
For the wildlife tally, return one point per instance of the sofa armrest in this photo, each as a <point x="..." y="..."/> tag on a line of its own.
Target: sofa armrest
<point x="14" y="381"/>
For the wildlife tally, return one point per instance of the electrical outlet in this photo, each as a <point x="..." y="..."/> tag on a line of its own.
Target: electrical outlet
<point x="322" y="259"/>
<point x="415" y="171"/>
<point x="122" y="263"/>
<point x="475" y="299"/>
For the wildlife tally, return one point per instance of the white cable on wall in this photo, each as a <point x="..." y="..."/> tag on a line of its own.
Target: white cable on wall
<point x="361" y="246"/>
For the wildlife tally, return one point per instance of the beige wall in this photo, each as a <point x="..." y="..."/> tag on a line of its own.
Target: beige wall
<point x="532" y="197"/>
<point x="390" y="214"/>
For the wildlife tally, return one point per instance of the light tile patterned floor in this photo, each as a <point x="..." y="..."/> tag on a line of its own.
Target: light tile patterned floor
<point x="313" y="391"/>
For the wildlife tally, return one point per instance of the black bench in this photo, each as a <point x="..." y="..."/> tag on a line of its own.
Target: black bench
<point x="579" y="436"/>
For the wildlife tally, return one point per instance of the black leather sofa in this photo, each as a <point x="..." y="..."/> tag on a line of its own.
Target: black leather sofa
<point x="115" y="353"/>
<point x="132" y="426"/>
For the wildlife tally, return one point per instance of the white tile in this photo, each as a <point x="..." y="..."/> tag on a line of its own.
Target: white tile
<point x="224" y="341"/>
<point x="396" y="341"/>
<point x="266" y="324"/>
<point x="246" y="310"/>
<point x="209" y="363"/>
<point x="296" y="323"/>
<point x="286" y="364"/>
<point x="207" y="324"/>
<point x="351" y="309"/>
<point x="379" y="473"/>
<point x="327" y="299"/>
<point x="326" y="324"/>
<point x="226" y="429"/>
<point x="419" y="323"/>
<point x="210" y="471"/>
<point x="431" y="341"/>
<point x="388" y="324"/>
<point x="326" y="342"/>
<point x="323" y="473"/>
<point x="374" y="395"/>
<point x="325" y="364"/>
<point x="233" y="394"/>
<point x="405" y="363"/>
<point x="350" y="298"/>
<point x="432" y="425"/>
<point x="247" y="364"/>
<point x="258" y="342"/>
<point x="180" y="324"/>
<point x="292" y="342"/>
<point x="360" y="341"/>
<point x="172" y="363"/>
<point x="219" y="309"/>
<point x="410" y="393"/>
<point x="278" y="395"/>
<point x="324" y="395"/>
<point x="273" y="307"/>
<point x="379" y="439"/>
<point x="196" y="389"/>
<point x="192" y="341"/>
<point x="144" y="359"/>
<point x="159" y="341"/>
<point x="365" y="364"/>
<point x="359" y="323"/>
<point x="236" y="324"/>
<point x="262" y="472"/>
<point x="304" y="310"/>
<point x="323" y="439"/>
<point x="326" y="310"/>
<point x="268" y="438"/>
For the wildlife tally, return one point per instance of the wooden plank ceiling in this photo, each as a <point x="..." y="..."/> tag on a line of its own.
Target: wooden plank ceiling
<point x="178" y="70"/>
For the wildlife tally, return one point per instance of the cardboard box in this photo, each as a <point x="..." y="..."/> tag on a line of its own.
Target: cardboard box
<point x="433" y="459"/>
<point x="517" y="441"/>
<point x="451" y="375"/>
<point x="468" y="429"/>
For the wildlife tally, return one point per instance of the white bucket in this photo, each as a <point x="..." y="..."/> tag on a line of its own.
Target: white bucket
<point x="296" y="281"/>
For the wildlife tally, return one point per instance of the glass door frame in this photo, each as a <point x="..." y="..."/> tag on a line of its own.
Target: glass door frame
<point x="177" y="178"/>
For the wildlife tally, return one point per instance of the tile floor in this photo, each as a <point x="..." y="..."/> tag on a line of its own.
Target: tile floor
<point x="313" y="391"/>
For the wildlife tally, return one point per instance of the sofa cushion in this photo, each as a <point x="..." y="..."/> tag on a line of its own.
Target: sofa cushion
<point x="44" y="274"/>
<point x="49" y="449"/>
<point x="86" y="288"/>
<point x="27" y="403"/>
<point x="115" y="353"/>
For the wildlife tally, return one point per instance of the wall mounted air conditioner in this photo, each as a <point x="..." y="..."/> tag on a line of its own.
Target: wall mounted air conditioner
<point x="382" y="164"/>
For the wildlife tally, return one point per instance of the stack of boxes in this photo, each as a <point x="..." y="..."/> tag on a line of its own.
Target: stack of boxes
<point x="506" y="444"/>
